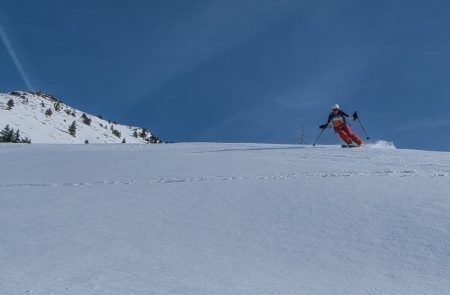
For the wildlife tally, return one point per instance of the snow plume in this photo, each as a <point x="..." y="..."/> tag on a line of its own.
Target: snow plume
<point x="12" y="53"/>
<point x="382" y="144"/>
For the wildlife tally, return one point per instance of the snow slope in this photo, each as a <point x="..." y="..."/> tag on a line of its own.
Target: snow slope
<point x="210" y="218"/>
<point x="28" y="115"/>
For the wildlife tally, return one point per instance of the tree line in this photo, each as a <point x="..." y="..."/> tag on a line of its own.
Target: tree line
<point x="12" y="136"/>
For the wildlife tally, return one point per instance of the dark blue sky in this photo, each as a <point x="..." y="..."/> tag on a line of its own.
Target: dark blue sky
<point x="250" y="71"/>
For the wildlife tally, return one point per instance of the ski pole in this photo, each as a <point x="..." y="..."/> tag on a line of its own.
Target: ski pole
<point x="355" y="115"/>
<point x="323" y="129"/>
<point x="362" y="127"/>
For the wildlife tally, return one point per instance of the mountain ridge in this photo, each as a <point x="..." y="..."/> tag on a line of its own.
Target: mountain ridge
<point x="44" y="118"/>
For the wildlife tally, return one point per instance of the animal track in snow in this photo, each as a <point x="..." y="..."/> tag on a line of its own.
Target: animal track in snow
<point x="383" y="173"/>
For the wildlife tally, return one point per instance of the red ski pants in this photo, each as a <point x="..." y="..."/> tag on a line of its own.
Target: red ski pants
<point x="347" y="135"/>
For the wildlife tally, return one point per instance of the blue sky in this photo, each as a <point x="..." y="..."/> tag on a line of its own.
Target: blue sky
<point x="239" y="71"/>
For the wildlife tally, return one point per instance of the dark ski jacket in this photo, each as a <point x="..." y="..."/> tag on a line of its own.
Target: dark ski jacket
<point x="338" y="119"/>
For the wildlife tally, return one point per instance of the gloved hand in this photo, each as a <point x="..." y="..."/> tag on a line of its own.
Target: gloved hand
<point x="323" y="126"/>
<point x="355" y="116"/>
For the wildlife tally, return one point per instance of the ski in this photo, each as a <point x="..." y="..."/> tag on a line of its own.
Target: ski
<point x="350" y="146"/>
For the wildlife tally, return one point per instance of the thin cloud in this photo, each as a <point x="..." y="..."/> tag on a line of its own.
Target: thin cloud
<point x="12" y="53"/>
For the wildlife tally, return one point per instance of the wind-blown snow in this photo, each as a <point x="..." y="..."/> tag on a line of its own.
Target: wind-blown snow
<point x="381" y="144"/>
<point x="223" y="219"/>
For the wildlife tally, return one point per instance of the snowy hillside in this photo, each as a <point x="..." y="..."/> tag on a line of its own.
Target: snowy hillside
<point x="223" y="219"/>
<point x="45" y="119"/>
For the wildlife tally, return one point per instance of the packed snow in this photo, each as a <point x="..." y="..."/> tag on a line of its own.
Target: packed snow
<point x="29" y="116"/>
<point x="211" y="218"/>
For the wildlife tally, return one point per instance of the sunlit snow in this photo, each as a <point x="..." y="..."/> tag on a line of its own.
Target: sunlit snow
<point x="210" y="218"/>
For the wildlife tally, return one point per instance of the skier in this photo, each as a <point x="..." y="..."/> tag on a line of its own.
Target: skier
<point x="341" y="127"/>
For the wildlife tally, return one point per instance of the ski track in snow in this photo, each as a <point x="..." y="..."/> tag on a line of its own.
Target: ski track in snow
<point x="385" y="173"/>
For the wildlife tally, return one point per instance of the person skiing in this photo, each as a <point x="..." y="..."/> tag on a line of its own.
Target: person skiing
<point x="337" y="116"/>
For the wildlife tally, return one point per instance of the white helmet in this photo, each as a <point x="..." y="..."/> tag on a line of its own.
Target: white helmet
<point x="335" y="107"/>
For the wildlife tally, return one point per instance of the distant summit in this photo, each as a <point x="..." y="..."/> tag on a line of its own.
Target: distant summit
<point x="44" y="118"/>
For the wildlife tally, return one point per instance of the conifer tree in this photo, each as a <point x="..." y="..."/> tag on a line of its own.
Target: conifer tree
<point x="86" y="119"/>
<point x="154" y="139"/>
<point x="15" y="138"/>
<point x="25" y="140"/>
<point x="57" y="106"/>
<point x="10" y="104"/>
<point x="116" y="133"/>
<point x="143" y="133"/>
<point x="73" y="129"/>
<point x="9" y="135"/>
<point x="5" y="134"/>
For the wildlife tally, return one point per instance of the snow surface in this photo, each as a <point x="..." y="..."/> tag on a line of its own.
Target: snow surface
<point x="209" y="218"/>
<point x="28" y="115"/>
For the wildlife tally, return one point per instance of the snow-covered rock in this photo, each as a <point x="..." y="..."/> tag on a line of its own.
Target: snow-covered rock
<point x="211" y="218"/>
<point x="46" y="119"/>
